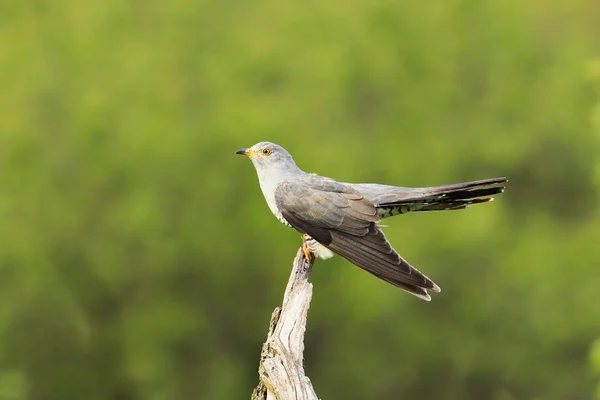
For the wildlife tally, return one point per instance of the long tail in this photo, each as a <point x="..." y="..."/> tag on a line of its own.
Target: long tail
<point x="447" y="197"/>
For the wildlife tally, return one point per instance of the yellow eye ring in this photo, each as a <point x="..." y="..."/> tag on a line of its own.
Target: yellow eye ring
<point x="266" y="151"/>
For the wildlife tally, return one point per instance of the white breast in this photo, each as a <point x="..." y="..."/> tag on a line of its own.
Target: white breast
<point x="281" y="219"/>
<point x="268" y="187"/>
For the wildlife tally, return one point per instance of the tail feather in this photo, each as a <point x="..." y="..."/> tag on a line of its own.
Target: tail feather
<point x="448" y="197"/>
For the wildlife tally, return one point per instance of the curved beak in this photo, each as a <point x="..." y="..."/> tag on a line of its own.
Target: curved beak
<point x="246" y="152"/>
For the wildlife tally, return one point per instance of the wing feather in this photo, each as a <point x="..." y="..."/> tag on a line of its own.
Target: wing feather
<point x="343" y="220"/>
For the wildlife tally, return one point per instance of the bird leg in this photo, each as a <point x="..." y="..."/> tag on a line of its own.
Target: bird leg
<point x="308" y="255"/>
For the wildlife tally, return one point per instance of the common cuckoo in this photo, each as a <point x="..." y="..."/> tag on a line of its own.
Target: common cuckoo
<point x="342" y="218"/>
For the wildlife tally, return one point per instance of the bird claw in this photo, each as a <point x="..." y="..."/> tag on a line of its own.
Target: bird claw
<point x="308" y="255"/>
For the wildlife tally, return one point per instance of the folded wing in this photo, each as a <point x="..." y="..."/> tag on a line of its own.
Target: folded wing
<point x="343" y="220"/>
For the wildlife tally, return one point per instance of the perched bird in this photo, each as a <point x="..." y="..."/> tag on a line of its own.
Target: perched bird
<point x="342" y="218"/>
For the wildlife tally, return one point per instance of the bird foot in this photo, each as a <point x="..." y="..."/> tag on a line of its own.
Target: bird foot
<point x="308" y="255"/>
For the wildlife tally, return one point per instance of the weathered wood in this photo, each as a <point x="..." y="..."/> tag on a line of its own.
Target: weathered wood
<point x="281" y="369"/>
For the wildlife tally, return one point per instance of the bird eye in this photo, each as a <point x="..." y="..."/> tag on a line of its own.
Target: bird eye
<point x="266" y="151"/>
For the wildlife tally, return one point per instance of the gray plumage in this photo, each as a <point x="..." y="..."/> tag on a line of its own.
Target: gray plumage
<point x="343" y="217"/>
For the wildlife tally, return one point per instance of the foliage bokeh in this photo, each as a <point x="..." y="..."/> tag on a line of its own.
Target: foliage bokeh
<point x="139" y="261"/>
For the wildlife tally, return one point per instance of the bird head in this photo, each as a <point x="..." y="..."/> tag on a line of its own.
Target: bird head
<point x="267" y="155"/>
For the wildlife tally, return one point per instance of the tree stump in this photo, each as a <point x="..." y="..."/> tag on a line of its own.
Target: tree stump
<point x="281" y="368"/>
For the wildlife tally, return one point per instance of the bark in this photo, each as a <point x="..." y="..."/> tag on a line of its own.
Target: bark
<point x="281" y="369"/>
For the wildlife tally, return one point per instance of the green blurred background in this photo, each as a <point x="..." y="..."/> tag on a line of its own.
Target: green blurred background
<point x="138" y="259"/>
